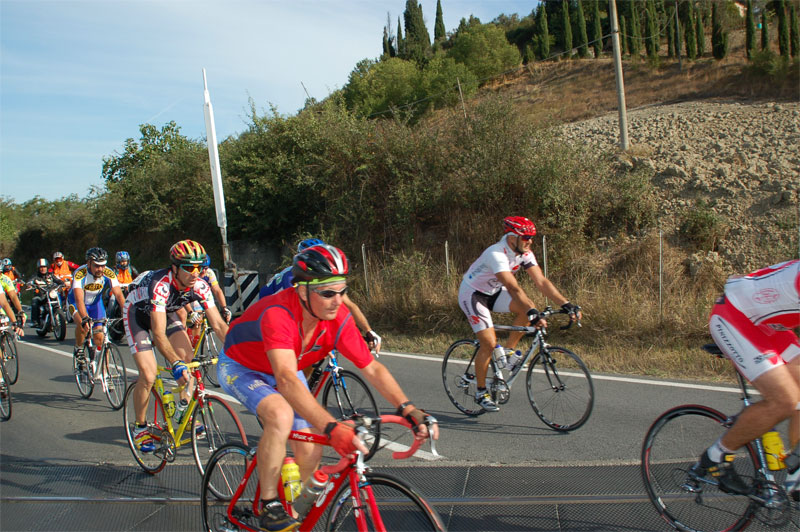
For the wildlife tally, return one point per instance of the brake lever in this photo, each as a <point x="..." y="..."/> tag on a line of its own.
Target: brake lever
<point x="430" y="422"/>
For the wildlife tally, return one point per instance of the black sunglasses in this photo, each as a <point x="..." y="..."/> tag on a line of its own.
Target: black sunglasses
<point x="327" y="294"/>
<point x="526" y="237"/>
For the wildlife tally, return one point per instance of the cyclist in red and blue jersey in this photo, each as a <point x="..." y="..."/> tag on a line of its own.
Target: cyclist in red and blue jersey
<point x="752" y="324"/>
<point x="262" y="365"/>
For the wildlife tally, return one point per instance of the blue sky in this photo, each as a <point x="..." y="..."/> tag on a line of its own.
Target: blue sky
<point x="78" y="77"/>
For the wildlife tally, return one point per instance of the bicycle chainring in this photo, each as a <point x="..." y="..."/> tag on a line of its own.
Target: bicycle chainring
<point x="775" y="508"/>
<point x="166" y="448"/>
<point x="500" y="391"/>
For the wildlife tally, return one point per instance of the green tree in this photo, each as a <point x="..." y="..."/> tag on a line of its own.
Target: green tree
<point x="670" y="31"/>
<point x="652" y="37"/>
<point x="483" y="48"/>
<point x="583" y="40"/>
<point x="689" y="33"/>
<point x="794" y="35"/>
<point x="783" y="28"/>
<point x="750" y="31"/>
<point x="417" y="40"/>
<point x="635" y="31"/>
<point x="719" y="36"/>
<point x="597" y="29"/>
<point x="700" y="33"/>
<point x="624" y="42"/>
<point x="542" y="33"/>
<point x="401" y="42"/>
<point x="152" y="143"/>
<point x="439" y="80"/>
<point x="764" y="30"/>
<point x="566" y="30"/>
<point x="439" y="32"/>
<point x="378" y="87"/>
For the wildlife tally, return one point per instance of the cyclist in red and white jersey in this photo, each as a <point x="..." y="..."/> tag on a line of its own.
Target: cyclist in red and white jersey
<point x="752" y="324"/>
<point x="490" y="286"/>
<point x="262" y="365"/>
<point x="150" y="316"/>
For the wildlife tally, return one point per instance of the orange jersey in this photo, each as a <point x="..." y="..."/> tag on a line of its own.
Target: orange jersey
<point x="124" y="275"/>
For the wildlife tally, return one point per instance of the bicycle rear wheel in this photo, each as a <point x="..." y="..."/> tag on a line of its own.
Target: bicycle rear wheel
<point x="116" y="376"/>
<point x="348" y="397"/>
<point x="214" y="425"/>
<point x="151" y="461"/>
<point x="83" y="373"/>
<point x="671" y="447"/>
<point x="400" y="507"/>
<point x="5" y="394"/>
<point x="10" y="358"/>
<point x="224" y="471"/>
<point x="209" y="348"/>
<point x="458" y="376"/>
<point x="560" y="389"/>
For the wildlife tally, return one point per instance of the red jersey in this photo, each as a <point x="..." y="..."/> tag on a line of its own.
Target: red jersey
<point x="276" y="322"/>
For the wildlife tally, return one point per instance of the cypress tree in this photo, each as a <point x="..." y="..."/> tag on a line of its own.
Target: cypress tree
<point x="750" y="31"/>
<point x="764" y="30"/>
<point x="583" y="40"/>
<point x="689" y="33"/>
<point x="566" y="36"/>
<point x="418" y="40"/>
<point x="636" y="32"/>
<point x="386" y="42"/>
<point x="597" y="29"/>
<point x="543" y="32"/>
<point x="794" y="35"/>
<point x="439" y="33"/>
<point x="670" y="33"/>
<point x="651" y="42"/>
<point x="719" y="37"/>
<point x="623" y="41"/>
<point x="700" y="33"/>
<point x="783" y="28"/>
<point x="401" y="43"/>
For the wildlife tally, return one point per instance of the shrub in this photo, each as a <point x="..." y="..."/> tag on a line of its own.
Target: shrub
<point x="702" y="227"/>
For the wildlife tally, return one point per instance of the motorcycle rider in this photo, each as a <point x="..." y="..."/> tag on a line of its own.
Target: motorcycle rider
<point x="124" y="270"/>
<point x="38" y="282"/>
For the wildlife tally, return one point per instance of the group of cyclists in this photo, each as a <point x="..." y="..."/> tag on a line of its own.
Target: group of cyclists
<point x="304" y="312"/>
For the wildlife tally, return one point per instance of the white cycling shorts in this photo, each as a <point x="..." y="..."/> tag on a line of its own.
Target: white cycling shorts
<point x="478" y="306"/>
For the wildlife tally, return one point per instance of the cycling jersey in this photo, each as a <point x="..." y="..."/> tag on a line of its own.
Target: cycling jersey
<point x="126" y="275"/>
<point x="64" y="270"/>
<point x="209" y="276"/>
<point x="158" y="291"/>
<point x="280" y="281"/>
<point x="92" y="286"/>
<point x="6" y="283"/>
<point x="276" y="322"/>
<point x="481" y="276"/>
<point x="769" y="296"/>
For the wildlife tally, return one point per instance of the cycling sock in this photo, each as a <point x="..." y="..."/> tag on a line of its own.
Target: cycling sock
<point x="716" y="451"/>
<point x="267" y="502"/>
<point x="480" y="390"/>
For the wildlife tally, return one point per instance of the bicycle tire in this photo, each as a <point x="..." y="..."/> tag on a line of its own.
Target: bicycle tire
<point x="151" y="462"/>
<point x="209" y="349"/>
<point x="83" y="373"/>
<point x="116" y="376"/>
<point x="5" y="394"/>
<point x="352" y="398"/>
<point x="561" y="393"/>
<point x="673" y="444"/>
<point x="10" y="358"/>
<point x="60" y="330"/>
<point x="224" y="471"/>
<point x="400" y="506"/>
<point x="213" y="425"/>
<point x="461" y="391"/>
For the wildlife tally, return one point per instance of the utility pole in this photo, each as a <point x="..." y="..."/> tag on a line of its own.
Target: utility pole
<point x="623" y="114"/>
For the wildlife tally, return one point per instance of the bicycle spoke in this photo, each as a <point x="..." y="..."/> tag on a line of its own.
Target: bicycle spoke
<point x="458" y="376"/>
<point x="560" y="389"/>
<point x="347" y="396"/>
<point x="10" y="358"/>
<point x="225" y="470"/>
<point x="116" y="378"/>
<point x="214" y="425"/>
<point x="151" y="461"/>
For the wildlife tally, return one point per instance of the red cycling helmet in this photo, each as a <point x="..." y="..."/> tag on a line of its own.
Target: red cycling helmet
<point x="519" y="225"/>
<point x="319" y="263"/>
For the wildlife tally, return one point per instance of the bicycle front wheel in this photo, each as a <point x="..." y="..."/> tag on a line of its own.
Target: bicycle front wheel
<point x="213" y="425"/>
<point x="224" y="471"/>
<point x="83" y="373"/>
<point x="348" y="397"/>
<point x="458" y="376"/>
<point x="400" y="507"/>
<point x="560" y="389"/>
<point x="150" y="459"/>
<point x="5" y="394"/>
<point x="209" y="348"/>
<point x="671" y="447"/>
<point x="10" y="358"/>
<point x="115" y="375"/>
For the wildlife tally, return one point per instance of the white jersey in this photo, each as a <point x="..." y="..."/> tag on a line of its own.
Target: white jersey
<point x="769" y="295"/>
<point x="93" y="286"/>
<point x="481" y="276"/>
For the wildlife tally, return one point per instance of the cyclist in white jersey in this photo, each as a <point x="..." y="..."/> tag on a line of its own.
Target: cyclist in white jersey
<point x="490" y="285"/>
<point x="752" y="324"/>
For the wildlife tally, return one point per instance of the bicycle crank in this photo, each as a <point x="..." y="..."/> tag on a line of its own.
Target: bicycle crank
<point x="500" y="391"/>
<point x="166" y="449"/>
<point x="774" y="506"/>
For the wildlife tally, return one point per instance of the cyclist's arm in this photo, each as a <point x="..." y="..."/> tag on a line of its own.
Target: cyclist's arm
<point x="547" y="288"/>
<point x="13" y="299"/>
<point x="516" y="292"/>
<point x="117" y="291"/>
<point x="358" y="316"/>
<point x="80" y="304"/>
<point x="6" y="306"/>
<point x="217" y="322"/>
<point x="219" y="295"/>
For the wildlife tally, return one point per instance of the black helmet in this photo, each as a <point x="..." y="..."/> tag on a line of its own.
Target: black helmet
<point x="97" y="255"/>
<point x="319" y="263"/>
<point x="42" y="262"/>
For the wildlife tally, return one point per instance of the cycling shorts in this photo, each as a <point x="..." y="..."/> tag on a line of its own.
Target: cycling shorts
<point x="753" y="349"/>
<point x="138" y="337"/>
<point x="250" y="386"/>
<point x="95" y="310"/>
<point x="478" y="306"/>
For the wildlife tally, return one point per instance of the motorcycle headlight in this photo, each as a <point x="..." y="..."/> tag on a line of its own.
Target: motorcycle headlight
<point x="53" y="294"/>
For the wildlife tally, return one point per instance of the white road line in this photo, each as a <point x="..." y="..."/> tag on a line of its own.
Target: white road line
<point x="391" y="445"/>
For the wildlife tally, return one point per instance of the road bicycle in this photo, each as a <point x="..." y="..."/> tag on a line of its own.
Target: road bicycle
<point x="686" y="501"/>
<point x="107" y="367"/>
<point x="206" y="347"/>
<point x="8" y="345"/>
<point x="5" y="378"/>
<point x="354" y="497"/>
<point x="51" y="314"/>
<point x="208" y="422"/>
<point x="559" y="385"/>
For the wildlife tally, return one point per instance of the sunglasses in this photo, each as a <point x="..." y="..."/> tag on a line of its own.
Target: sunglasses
<point x="191" y="268"/>
<point x="327" y="294"/>
<point x="526" y="237"/>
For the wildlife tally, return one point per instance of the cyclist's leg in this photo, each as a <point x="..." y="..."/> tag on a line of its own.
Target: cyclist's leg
<point x="475" y="306"/>
<point x="72" y="310"/>
<point x="140" y="344"/>
<point x="504" y="304"/>
<point x="179" y="340"/>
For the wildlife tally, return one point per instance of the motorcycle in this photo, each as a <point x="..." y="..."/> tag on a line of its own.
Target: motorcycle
<point x="51" y="315"/>
<point x="116" y="332"/>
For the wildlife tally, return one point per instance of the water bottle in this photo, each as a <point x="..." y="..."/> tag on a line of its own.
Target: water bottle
<point x="500" y="356"/>
<point x="515" y="360"/>
<point x="309" y="493"/>
<point x="290" y="478"/>
<point x="180" y="410"/>
<point x="773" y="448"/>
<point x="169" y="403"/>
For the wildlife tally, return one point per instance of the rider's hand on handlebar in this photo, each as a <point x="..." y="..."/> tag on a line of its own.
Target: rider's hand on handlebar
<point x="573" y="310"/>
<point x="196" y="318"/>
<point x="536" y="318"/>
<point x="85" y="323"/>
<point x="343" y="439"/>
<point x="422" y="423"/>
<point x="373" y="341"/>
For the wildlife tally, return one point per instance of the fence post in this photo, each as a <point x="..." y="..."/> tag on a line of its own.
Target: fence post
<point x="364" y="260"/>
<point x="544" y="259"/>
<point x="660" y="275"/>
<point x="446" y="259"/>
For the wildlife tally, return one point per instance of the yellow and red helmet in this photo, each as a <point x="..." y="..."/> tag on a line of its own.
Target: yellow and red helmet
<point x="187" y="252"/>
